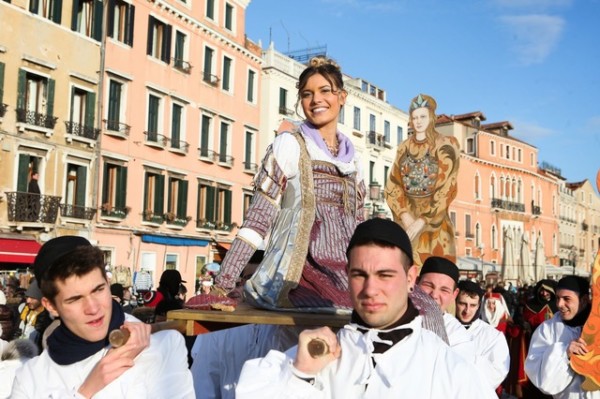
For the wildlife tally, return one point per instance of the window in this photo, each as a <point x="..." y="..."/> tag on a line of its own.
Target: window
<point x="115" y="109"/>
<point x="87" y="18"/>
<point x="372" y="123"/>
<point x="247" y="201"/>
<point x="35" y="100"/>
<point x="386" y="172"/>
<point x="229" y="16"/>
<point x="2" y="106"/>
<point x="371" y="171"/>
<point x="477" y="235"/>
<point x="27" y="165"/>
<point x="207" y="75"/>
<point x="250" y="96"/>
<point x="154" y="113"/>
<point x="468" y="233"/>
<point x="75" y="191"/>
<point x="283" y="109"/>
<point x="180" y="56"/>
<point x="400" y="134"/>
<point x="205" y="147"/>
<point x="492" y="148"/>
<point x="50" y="9"/>
<point x="386" y="131"/>
<point x="83" y="110"/>
<point x="470" y="145"/>
<point x="249" y="163"/>
<point x="507" y="152"/>
<point x="154" y="191"/>
<point x="477" y="186"/>
<point x="214" y="207"/>
<point x="493" y="187"/>
<point x="177" y="128"/>
<point x="342" y="115"/>
<point x="114" y="185"/>
<point x="121" y="16"/>
<point x="356" y="121"/>
<point x="520" y="155"/>
<point x="171" y="261"/>
<point x="159" y="40"/>
<point x="224" y="146"/>
<point x="210" y="9"/>
<point x="226" y="81"/>
<point x="223" y="206"/>
<point x="177" y="200"/>
<point x="453" y="219"/>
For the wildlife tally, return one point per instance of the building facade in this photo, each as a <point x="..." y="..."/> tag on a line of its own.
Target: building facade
<point x="587" y="221"/>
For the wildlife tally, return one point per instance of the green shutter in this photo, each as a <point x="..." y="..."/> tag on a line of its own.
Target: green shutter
<point x="105" y="183"/>
<point x="282" y="98"/>
<point x="151" y="23"/>
<point x="90" y="109"/>
<point x="23" y="173"/>
<point x="204" y="137"/>
<point x="182" y="199"/>
<point x="21" y="88"/>
<point x="114" y="105"/>
<point x="130" y="19"/>
<point x="159" y="197"/>
<point x="72" y="103"/>
<point x="146" y="181"/>
<point x="1" y="82"/>
<point x="176" y="126"/>
<point x="210" y="204"/>
<point x="250" y="96"/>
<point x="166" y="45"/>
<point x="75" y="10"/>
<point x="170" y="194"/>
<point x="227" y="207"/>
<point x="121" y="198"/>
<point x="81" y="189"/>
<point x="110" y="23"/>
<point x="210" y="9"/>
<point x="98" y="17"/>
<point x="33" y="6"/>
<point x="208" y="53"/>
<point x="226" y="73"/>
<point x="50" y="98"/>
<point x="248" y="153"/>
<point x="57" y="11"/>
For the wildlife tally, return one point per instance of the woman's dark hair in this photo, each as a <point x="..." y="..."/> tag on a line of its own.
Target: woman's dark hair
<point x="325" y="67"/>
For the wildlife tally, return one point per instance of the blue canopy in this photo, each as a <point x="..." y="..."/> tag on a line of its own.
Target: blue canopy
<point x="174" y="241"/>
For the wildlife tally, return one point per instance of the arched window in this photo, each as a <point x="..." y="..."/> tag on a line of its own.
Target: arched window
<point x="477" y="187"/>
<point x="493" y="186"/>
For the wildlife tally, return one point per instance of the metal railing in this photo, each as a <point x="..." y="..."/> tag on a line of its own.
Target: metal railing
<point x="82" y="131"/>
<point x="77" y="212"/>
<point x="211" y="79"/>
<point x="155" y="138"/>
<point x="182" y="65"/>
<point x="37" y="119"/>
<point x="3" y="108"/>
<point x="285" y="111"/>
<point x="180" y="145"/>
<point x="114" y="212"/>
<point x="226" y="159"/>
<point x="207" y="154"/>
<point x="28" y="207"/>
<point x="375" y="139"/>
<point x="507" y="205"/>
<point x="250" y="167"/>
<point x="116" y="126"/>
<point x="150" y="216"/>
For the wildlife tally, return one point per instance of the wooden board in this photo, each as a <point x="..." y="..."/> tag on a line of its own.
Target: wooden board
<point x="202" y="321"/>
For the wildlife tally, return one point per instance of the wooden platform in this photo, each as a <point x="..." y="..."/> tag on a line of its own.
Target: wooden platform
<point x="202" y="321"/>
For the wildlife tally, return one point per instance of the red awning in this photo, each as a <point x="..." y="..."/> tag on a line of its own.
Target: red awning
<point x="18" y="251"/>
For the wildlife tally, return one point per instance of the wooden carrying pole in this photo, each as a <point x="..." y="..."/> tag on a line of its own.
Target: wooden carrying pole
<point x="119" y="337"/>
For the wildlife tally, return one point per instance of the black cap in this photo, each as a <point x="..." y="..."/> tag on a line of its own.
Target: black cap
<point x="381" y="230"/>
<point x="171" y="275"/>
<point x="117" y="290"/>
<point x="437" y="264"/>
<point x="469" y="286"/>
<point x="53" y="250"/>
<point x="576" y="284"/>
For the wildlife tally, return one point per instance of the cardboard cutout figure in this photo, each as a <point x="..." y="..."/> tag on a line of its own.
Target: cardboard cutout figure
<point x="423" y="182"/>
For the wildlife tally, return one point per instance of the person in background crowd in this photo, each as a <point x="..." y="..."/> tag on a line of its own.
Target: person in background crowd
<point x="12" y="356"/>
<point x="495" y="312"/>
<point x="79" y="361"/>
<point x="384" y="352"/>
<point x="30" y="311"/>
<point x="439" y="279"/>
<point x="168" y="294"/>
<point x="557" y="339"/>
<point x="33" y="197"/>
<point x="491" y="350"/>
<point x="117" y="291"/>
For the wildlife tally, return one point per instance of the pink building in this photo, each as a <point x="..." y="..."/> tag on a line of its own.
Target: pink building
<point x="180" y="115"/>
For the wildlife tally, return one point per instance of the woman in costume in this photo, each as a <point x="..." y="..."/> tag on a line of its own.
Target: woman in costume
<point x="423" y="184"/>
<point x="495" y="311"/>
<point x="309" y="196"/>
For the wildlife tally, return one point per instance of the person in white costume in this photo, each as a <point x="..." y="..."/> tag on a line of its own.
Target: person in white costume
<point x="492" y="357"/>
<point x="383" y="352"/>
<point x="557" y="339"/>
<point x="79" y="362"/>
<point x="439" y="279"/>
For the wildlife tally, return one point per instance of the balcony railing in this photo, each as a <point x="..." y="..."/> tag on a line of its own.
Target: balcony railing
<point x="212" y="80"/>
<point x="215" y="225"/>
<point x="207" y="154"/>
<point x="172" y="219"/>
<point x="150" y="216"/>
<point x="118" y="127"/>
<point x="37" y="119"/>
<point x="77" y="212"/>
<point x="250" y="167"/>
<point x="226" y="159"/>
<point x="28" y="207"/>
<point x="157" y="139"/>
<point x="182" y="65"/>
<point x="3" y="108"/>
<point x="114" y="212"/>
<point x="536" y="210"/>
<point x="375" y="139"/>
<point x="180" y="145"/>
<point x="78" y="129"/>
<point x="507" y="205"/>
<point x="285" y="111"/>
<point x="585" y="226"/>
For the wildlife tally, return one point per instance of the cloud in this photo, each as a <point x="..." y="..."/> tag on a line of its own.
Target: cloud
<point x="534" y="35"/>
<point x="531" y="132"/>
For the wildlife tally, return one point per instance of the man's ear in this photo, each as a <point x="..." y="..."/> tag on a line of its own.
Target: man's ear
<point x="456" y="293"/>
<point x="411" y="276"/>
<point x="50" y="307"/>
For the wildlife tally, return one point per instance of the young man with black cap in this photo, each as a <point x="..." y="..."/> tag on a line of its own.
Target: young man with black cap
<point x="439" y="279"/>
<point x="557" y="339"/>
<point x="491" y="350"/>
<point x="79" y="361"/>
<point x="384" y="352"/>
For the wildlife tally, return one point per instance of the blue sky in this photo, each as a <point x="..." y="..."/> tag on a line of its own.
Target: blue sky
<point x="535" y="63"/>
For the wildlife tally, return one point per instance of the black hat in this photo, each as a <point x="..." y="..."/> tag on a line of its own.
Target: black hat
<point x="34" y="291"/>
<point x="171" y="275"/>
<point x="437" y="264"/>
<point x="576" y="284"/>
<point x="116" y="289"/>
<point x="382" y="230"/>
<point x="54" y="249"/>
<point x="469" y="286"/>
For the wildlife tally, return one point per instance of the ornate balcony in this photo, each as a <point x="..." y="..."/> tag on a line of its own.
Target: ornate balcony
<point x="212" y="80"/>
<point x="116" y="128"/>
<point x="80" y="130"/>
<point x="536" y="210"/>
<point x="207" y="155"/>
<point x="226" y="159"/>
<point x="36" y="119"/>
<point x="77" y="212"/>
<point x="250" y="167"/>
<point x="180" y="146"/>
<point x="109" y="211"/>
<point x="285" y="111"/>
<point x="172" y="219"/>
<point x="215" y="225"/>
<point x="182" y="66"/>
<point x="149" y="216"/>
<point x="28" y="207"/>
<point x="585" y="226"/>
<point x="375" y="139"/>
<point x="3" y="108"/>
<point x="156" y="140"/>
<point x="507" y="205"/>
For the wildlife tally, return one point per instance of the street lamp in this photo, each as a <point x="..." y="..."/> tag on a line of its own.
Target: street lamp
<point x="573" y="257"/>
<point x="374" y="196"/>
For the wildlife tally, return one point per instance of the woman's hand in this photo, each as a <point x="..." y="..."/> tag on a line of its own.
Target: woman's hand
<point x="577" y="347"/>
<point x="414" y="229"/>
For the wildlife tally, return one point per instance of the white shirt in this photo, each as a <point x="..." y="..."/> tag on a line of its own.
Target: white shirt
<point x="458" y="338"/>
<point x="419" y="366"/>
<point x="492" y="357"/>
<point x="160" y="371"/>
<point x="547" y="364"/>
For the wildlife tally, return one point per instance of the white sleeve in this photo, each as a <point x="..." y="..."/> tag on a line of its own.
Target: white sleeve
<point x="547" y="363"/>
<point x="273" y="377"/>
<point x="494" y="362"/>
<point x="286" y="151"/>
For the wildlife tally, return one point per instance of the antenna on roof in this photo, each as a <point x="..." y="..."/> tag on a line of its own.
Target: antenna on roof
<point x="287" y="33"/>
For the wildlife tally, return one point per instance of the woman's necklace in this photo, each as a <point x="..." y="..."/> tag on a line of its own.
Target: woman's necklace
<point x="333" y="149"/>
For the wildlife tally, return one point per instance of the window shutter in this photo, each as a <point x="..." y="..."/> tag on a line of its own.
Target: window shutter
<point x="114" y="105"/>
<point x="166" y="45"/>
<point x="50" y="98"/>
<point x="227" y="207"/>
<point x="81" y="180"/>
<point x="170" y="195"/>
<point x="72" y="103"/>
<point x="98" y="17"/>
<point x="23" y="173"/>
<point x="110" y="23"/>
<point x="248" y="152"/>
<point x="74" y="15"/>
<point x="105" y="182"/>
<point x="159" y="198"/>
<point x="250" y="96"/>
<point x="210" y="204"/>
<point x="1" y="82"/>
<point x="21" y="89"/>
<point x="121" y="198"/>
<point x="183" y="199"/>
<point x="130" y="18"/>
<point x="90" y="109"/>
<point x="176" y="126"/>
<point x="57" y="11"/>
<point x="33" y="6"/>
<point x="223" y="143"/>
<point x="151" y="23"/>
